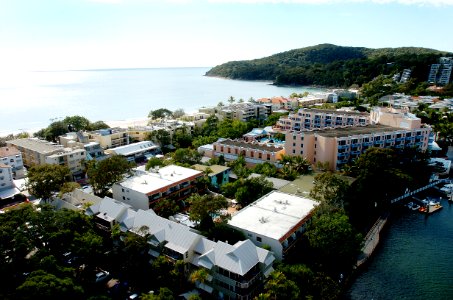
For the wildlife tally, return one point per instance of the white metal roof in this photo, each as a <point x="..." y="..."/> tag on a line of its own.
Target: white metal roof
<point x="273" y="215"/>
<point x="134" y="148"/>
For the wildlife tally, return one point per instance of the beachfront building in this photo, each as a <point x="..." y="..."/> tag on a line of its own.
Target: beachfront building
<point x="343" y="145"/>
<point x="110" y="138"/>
<point x="6" y="177"/>
<point x="245" y="111"/>
<point x="136" y="151"/>
<point x="39" y="152"/>
<point x="218" y="175"/>
<point x="313" y="99"/>
<point x="11" y="156"/>
<point x="253" y="153"/>
<point x="276" y="220"/>
<point x="145" y="188"/>
<point x="309" y="119"/>
<point x="279" y="103"/>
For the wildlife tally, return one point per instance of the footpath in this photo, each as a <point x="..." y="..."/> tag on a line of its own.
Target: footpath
<point x="371" y="240"/>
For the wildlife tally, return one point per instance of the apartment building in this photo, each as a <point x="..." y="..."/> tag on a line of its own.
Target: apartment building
<point x="136" y="151"/>
<point x="11" y="156"/>
<point x="110" y="138"/>
<point x="309" y="119"/>
<point x="39" y="152"/>
<point x="343" y="145"/>
<point x="253" y="152"/>
<point x="6" y="178"/>
<point x="279" y="103"/>
<point x="245" y="111"/>
<point x="146" y="188"/>
<point x="277" y="220"/>
<point x="235" y="271"/>
<point x="397" y="118"/>
<point x="441" y="73"/>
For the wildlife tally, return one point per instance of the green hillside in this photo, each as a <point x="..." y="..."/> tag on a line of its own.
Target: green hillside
<point x="331" y="65"/>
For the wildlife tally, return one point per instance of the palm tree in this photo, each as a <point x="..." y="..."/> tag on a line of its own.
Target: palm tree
<point x="199" y="276"/>
<point x="231" y="100"/>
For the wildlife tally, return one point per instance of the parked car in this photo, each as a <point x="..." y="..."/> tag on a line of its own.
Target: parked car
<point x="102" y="276"/>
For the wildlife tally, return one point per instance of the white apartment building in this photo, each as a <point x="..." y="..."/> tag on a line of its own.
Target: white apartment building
<point x="276" y="220"/>
<point x="441" y="73"/>
<point x="145" y="188"/>
<point x="6" y="177"/>
<point x="11" y="156"/>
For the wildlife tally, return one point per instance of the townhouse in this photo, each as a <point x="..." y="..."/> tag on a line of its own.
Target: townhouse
<point x="235" y="271"/>
<point x="279" y="103"/>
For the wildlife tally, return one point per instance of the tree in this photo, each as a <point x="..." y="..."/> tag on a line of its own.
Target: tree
<point x="279" y="287"/>
<point x="153" y="162"/>
<point x="329" y="189"/>
<point x="161" y="137"/>
<point x="164" y="294"/>
<point x="166" y="207"/>
<point x="333" y="240"/>
<point x="160" y="113"/>
<point x="266" y="168"/>
<point x="98" y="125"/>
<point x="231" y="100"/>
<point x="178" y="113"/>
<point x="76" y="123"/>
<point x="103" y="174"/>
<point x="43" y="180"/>
<point x="199" y="275"/>
<point x="182" y="138"/>
<point x="40" y="284"/>
<point x="68" y="187"/>
<point x="202" y="207"/>
<point x="186" y="156"/>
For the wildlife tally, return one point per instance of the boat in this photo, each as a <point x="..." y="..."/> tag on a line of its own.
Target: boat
<point x="415" y="206"/>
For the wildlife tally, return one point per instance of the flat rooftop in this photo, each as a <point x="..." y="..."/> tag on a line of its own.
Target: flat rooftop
<point x="273" y="215"/>
<point x="159" y="179"/>
<point x="8" y="151"/>
<point x="36" y="145"/>
<point x="134" y="148"/>
<point x="348" y="131"/>
<point x="250" y="145"/>
<point x="216" y="169"/>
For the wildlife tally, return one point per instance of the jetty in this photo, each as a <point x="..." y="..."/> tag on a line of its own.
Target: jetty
<point x="371" y="240"/>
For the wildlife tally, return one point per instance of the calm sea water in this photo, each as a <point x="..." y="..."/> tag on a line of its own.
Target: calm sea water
<point x="32" y="100"/>
<point x="414" y="260"/>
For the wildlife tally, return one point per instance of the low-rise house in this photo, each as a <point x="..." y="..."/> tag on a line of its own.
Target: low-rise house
<point x="145" y="188"/>
<point x="276" y="220"/>
<point x="11" y="156"/>
<point x="279" y="103"/>
<point x="219" y="175"/>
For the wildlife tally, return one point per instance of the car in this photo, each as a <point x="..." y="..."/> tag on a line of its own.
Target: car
<point x="102" y="276"/>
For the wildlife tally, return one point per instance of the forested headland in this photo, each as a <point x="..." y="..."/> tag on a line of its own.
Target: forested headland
<point x="332" y="66"/>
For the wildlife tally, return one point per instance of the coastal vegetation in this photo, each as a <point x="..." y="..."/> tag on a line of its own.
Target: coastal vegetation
<point x="332" y="66"/>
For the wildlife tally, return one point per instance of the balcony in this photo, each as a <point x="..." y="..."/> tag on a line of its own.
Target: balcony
<point x="378" y="142"/>
<point x="367" y="144"/>
<point x="343" y="146"/>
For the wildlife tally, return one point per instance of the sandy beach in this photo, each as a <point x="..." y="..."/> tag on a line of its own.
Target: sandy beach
<point x="128" y="123"/>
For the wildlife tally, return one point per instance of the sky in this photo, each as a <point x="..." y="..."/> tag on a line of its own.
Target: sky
<point x="100" y="34"/>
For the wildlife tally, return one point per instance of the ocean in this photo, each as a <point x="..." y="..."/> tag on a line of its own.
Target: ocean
<point x="32" y="100"/>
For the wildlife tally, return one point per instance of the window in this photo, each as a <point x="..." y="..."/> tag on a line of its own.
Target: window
<point x="122" y="190"/>
<point x="259" y="239"/>
<point x="124" y="198"/>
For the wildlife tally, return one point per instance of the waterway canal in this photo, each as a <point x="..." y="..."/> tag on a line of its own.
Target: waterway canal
<point x="413" y="261"/>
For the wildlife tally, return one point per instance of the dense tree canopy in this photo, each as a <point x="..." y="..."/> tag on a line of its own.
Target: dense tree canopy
<point x="330" y="65"/>
<point x="103" y="174"/>
<point x="43" y="180"/>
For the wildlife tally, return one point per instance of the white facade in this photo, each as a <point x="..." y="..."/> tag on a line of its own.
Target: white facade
<point x="6" y="177"/>
<point x="11" y="156"/>
<point x="276" y="219"/>
<point x="144" y="188"/>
